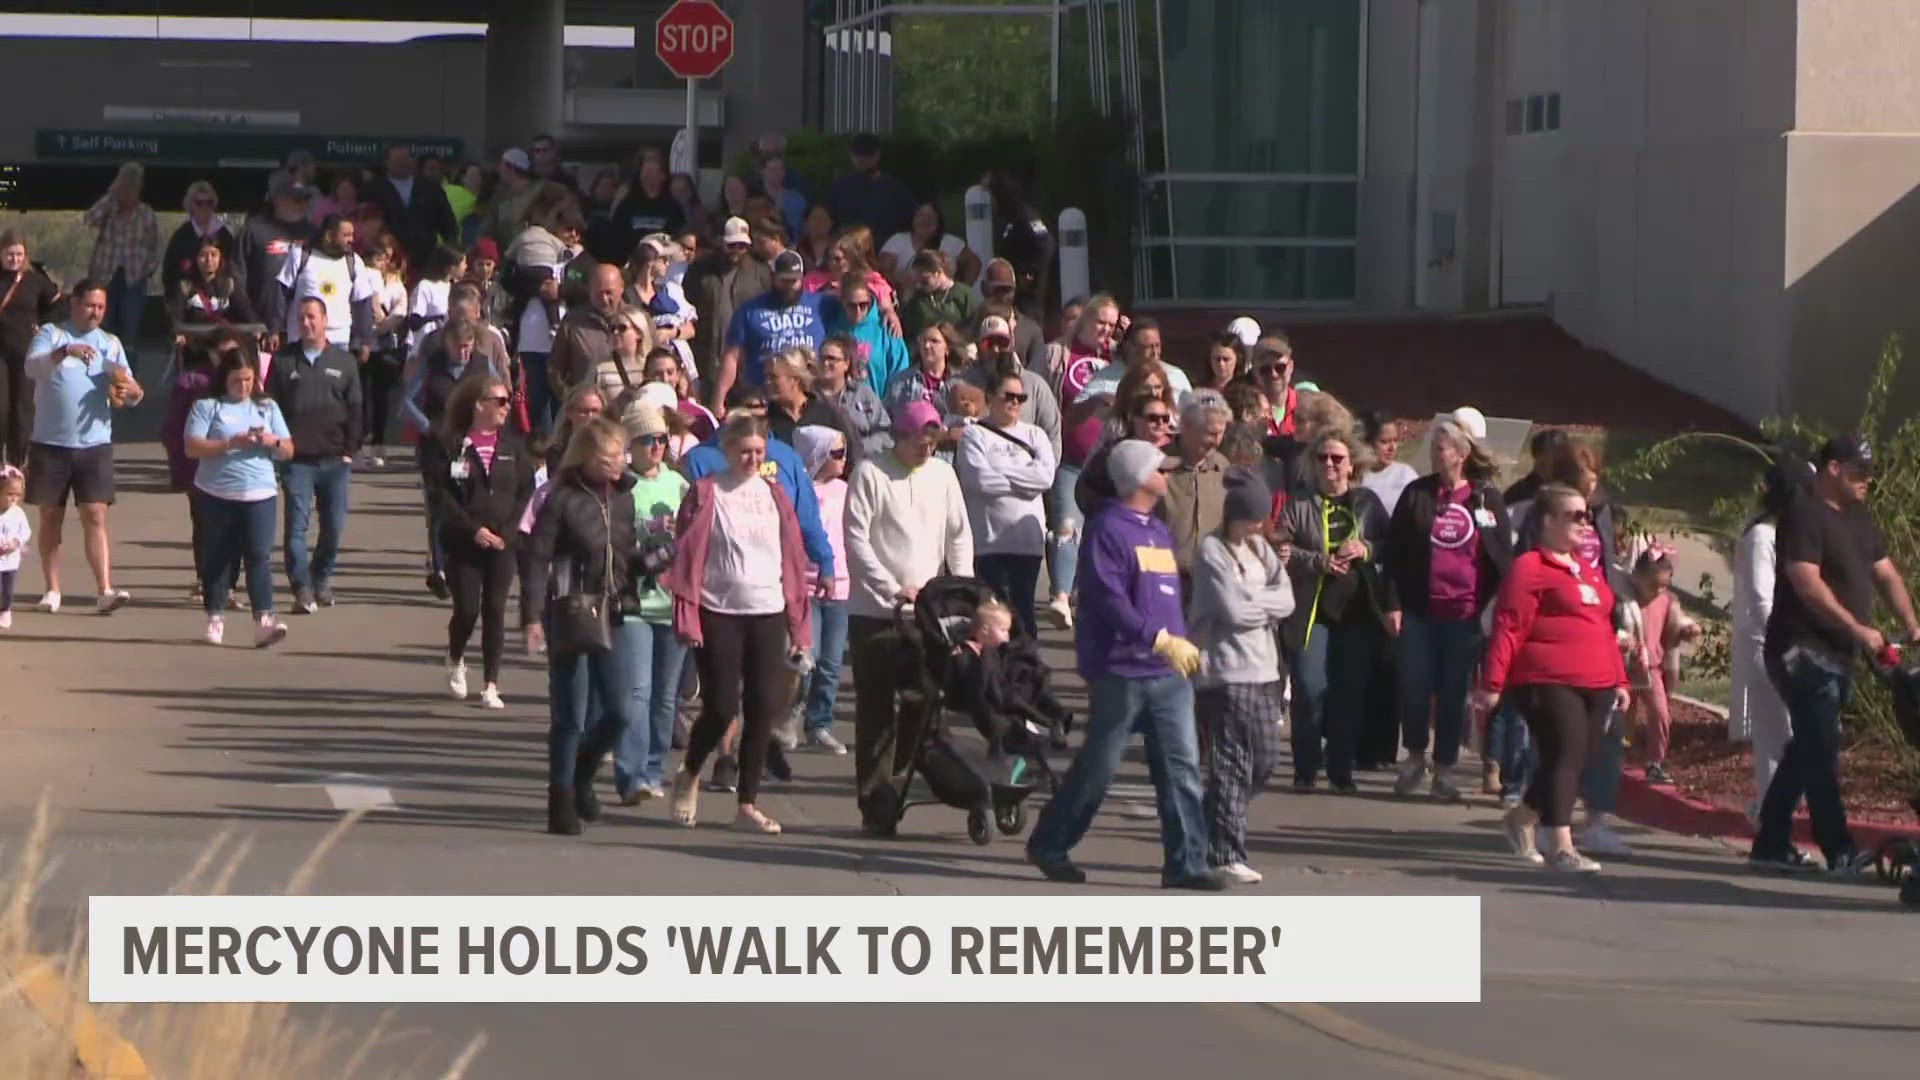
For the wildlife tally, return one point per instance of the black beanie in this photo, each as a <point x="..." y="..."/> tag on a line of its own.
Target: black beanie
<point x="1247" y="497"/>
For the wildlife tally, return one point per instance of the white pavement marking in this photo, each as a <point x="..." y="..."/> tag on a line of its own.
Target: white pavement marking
<point x="352" y="791"/>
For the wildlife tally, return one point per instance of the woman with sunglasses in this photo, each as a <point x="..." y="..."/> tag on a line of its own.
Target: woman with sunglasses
<point x="871" y="429"/>
<point x="846" y="261"/>
<point x="1553" y="654"/>
<point x="1339" y="533"/>
<point x="480" y="477"/>
<point x="1146" y="413"/>
<point x="1006" y="467"/>
<point x="879" y="354"/>
<point x="640" y="762"/>
<point x="791" y="402"/>
<point x="1451" y="544"/>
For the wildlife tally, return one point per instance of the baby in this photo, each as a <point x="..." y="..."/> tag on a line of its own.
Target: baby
<point x="968" y="401"/>
<point x="15" y="531"/>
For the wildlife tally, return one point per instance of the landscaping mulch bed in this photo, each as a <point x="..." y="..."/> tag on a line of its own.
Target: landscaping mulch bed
<point x="1705" y="765"/>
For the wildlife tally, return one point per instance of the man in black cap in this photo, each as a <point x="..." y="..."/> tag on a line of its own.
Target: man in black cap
<point x="782" y="317"/>
<point x="867" y="195"/>
<point x="1832" y="559"/>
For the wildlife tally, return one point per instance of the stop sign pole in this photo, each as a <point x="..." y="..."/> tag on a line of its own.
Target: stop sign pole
<point x="694" y="38"/>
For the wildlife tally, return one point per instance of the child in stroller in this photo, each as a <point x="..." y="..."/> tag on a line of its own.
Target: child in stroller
<point x="1003" y="688"/>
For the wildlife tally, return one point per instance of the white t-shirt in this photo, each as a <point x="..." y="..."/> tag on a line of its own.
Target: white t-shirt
<point x="900" y="246"/>
<point x="1389" y="482"/>
<point x="15" y="532"/>
<point x="430" y="302"/>
<point x="337" y="286"/>
<point x="743" y="557"/>
<point x="391" y="300"/>
<point x="536" y="330"/>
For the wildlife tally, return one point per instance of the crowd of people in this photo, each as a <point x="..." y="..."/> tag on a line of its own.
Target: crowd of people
<point x="748" y="436"/>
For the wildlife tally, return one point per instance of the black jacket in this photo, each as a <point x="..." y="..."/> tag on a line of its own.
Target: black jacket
<point x="418" y="223"/>
<point x="1409" y="554"/>
<point x="320" y="399"/>
<point x="28" y="306"/>
<point x="177" y="262"/>
<point x="571" y="533"/>
<point x="485" y="498"/>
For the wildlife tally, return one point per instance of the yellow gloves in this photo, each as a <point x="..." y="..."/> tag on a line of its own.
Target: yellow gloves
<point x="1178" y="651"/>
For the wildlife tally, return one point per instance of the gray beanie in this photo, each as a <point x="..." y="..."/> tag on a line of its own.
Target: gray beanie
<point x="1248" y="498"/>
<point x="1130" y="463"/>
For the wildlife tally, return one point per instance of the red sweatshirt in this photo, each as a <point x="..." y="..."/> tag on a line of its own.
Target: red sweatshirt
<point x="1553" y="626"/>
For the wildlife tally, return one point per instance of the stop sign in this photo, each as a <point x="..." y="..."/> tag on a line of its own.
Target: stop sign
<point x="694" y="38"/>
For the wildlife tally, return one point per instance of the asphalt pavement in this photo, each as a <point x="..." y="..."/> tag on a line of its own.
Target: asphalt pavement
<point x="150" y="742"/>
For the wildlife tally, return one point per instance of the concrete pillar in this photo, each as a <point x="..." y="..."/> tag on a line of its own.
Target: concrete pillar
<point x="526" y="71"/>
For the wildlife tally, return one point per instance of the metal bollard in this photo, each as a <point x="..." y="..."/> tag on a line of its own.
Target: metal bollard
<point x="1076" y="274"/>
<point x="979" y="206"/>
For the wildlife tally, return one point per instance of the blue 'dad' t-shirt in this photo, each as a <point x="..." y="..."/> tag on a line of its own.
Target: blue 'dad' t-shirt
<point x="763" y="326"/>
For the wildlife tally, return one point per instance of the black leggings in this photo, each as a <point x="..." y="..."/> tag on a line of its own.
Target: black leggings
<point x="1566" y="723"/>
<point x="480" y="581"/>
<point x="740" y="656"/>
<point x="382" y="371"/>
<point x="16" y="410"/>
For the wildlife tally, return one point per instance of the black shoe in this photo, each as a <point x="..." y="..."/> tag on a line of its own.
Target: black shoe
<point x="1791" y="861"/>
<point x="585" y="802"/>
<point x="778" y="767"/>
<point x="437" y="585"/>
<point x="324" y="594"/>
<point x="303" y="601"/>
<point x="1305" y="786"/>
<point x="1852" y="864"/>
<point x="1198" y="883"/>
<point x="1058" y="869"/>
<point x="1345" y="787"/>
<point x="563" y="819"/>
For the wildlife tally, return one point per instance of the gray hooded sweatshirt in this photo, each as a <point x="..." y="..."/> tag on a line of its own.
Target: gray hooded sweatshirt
<point x="1240" y="596"/>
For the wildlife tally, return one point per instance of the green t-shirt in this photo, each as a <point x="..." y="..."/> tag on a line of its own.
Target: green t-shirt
<point x="656" y="503"/>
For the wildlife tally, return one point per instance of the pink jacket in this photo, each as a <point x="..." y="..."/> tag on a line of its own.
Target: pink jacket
<point x="694" y="534"/>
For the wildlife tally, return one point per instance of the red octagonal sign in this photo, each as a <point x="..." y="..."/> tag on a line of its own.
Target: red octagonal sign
<point x="694" y="38"/>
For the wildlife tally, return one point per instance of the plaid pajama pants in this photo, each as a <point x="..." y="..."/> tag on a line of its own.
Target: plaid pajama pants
<point x="1241" y="722"/>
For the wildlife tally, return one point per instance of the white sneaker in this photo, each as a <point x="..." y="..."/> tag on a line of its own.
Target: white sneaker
<point x="490" y="697"/>
<point x="6" y="619"/>
<point x="1600" y="839"/>
<point x="268" y="632"/>
<point x="1412" y="772"/>
<point x="457" y="679"/>
<point x="49" y="603"/>
<point x="1241" y="874"/>
<point x="110" y="601"/>
<point x="216" y="629"/>
<point x="1060" y="610"/>
<point x="824" y="741"/>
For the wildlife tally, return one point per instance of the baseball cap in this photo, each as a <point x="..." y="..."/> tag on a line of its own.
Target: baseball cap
<point x="916" y="415"/>
<point x="995" y="326"/>
<point x="659" y="395"/>
<point x="1131" y="463"/>
<point x="1246" y="330"/>
<point x="1848" y="450"/>
<point x="288" y="186"/>
<point x="736" y="232"/>
<point x="517" y="158"/>
<point x="1471" y="421"/>
<point x="788" y="264"/>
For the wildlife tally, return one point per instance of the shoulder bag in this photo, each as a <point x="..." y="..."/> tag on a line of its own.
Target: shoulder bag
<point x="582" y="623"/>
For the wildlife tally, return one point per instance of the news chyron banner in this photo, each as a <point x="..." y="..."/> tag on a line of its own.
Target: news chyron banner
<point x="1064" y="948"/>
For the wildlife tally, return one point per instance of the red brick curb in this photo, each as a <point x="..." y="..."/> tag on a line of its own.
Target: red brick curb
<point x="1665" y="808"/>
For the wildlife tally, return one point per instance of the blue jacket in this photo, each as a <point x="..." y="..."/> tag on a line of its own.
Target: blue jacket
<point x="886" y="354"/>
<point x="707" y="459"/>
<point x="1129" y="592"/>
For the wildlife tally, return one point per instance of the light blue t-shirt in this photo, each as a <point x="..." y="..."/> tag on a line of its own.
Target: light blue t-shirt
<point x="70" y="406"/>
<point x="237" y="475"/>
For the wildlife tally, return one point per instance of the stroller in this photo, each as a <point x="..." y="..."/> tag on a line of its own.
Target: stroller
<point x="1899" y="860"/>
<point x="990" y="781"/>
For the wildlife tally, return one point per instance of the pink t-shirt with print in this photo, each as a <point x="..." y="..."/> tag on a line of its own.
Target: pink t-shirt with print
<point x="1453" y="583"/>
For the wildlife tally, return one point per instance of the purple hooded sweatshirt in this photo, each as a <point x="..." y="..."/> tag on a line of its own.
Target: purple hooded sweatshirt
<point x="1129" y="591"/>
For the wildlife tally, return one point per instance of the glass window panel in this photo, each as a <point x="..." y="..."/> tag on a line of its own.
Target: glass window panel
<point x="1319" y="211"/>
<point x="1262" y="86"/>
<point x="1516" y="117"/>
<point x="1279" y="274"/>
<point x="1536" y="113"/>
<point x="1553" y="112"/>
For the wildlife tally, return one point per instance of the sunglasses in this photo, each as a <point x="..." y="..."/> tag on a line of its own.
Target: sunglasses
<point x="1579" y="517"/>
<point x="1018" y="398"/>
<point x="1273" y="371"/>
<point x="838" y="453"/>
<point x="495" y="399"/>
<point x="1157" y="417"/>
<point x="860" y="305"/>
<point x="1332" y="459"/>
<point x="651" y="441"/>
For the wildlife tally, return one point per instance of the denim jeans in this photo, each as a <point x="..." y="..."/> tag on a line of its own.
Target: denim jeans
<point x="436" y="555"/>
<point x="1064" y="524"/>
<point x="540" y="403"/>
<point x="1437" y="658"/>
<point x="1173" y="759"/>
<point x="589" y="699"/>
<point x="829" y="652"/>
<point x="125" y="301"/>
<point x="326" y="483"/>
<point x="654" y="662"/>
<point x="1330" y="674"/>
<point x="1600" y="780"/>
<point x="1810" y="764"/>
<point x="1511" y="747"/>
<point x="231" y="529"/>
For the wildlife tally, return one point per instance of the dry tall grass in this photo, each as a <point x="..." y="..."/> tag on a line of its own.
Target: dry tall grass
<point x="47" y="1030"/>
